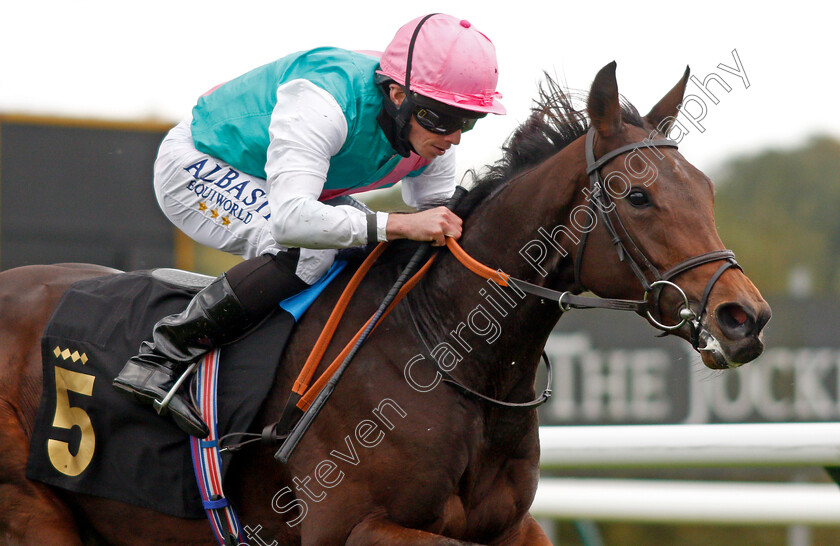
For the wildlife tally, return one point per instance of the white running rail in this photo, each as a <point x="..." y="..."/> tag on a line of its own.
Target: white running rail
<point x="640" y="446"/>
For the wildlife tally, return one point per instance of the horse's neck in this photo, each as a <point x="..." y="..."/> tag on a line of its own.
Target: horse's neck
<point x="500" y="329"/>
<point x="529" y="208"/>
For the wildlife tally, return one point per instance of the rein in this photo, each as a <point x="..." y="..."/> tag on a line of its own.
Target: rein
<point x="305" y="402"/>
<point x="602" y="206"/>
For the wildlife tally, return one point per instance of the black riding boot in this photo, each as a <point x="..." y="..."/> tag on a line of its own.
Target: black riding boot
<point x="214" y="316"/>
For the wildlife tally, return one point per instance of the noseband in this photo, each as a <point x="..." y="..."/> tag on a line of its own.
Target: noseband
<point x="602" y="207"/>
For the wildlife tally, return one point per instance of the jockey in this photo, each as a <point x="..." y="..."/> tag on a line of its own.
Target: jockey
<point x="256" y="170"/>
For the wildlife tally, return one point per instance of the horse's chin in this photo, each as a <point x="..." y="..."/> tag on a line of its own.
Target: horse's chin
<point x="716" y="357"/>
<point x="716" y="360"/>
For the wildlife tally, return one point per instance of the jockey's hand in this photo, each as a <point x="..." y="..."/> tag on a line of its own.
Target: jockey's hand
<point x="429" y="225"/>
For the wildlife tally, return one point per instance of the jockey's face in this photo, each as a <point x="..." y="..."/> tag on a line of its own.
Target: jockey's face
<point x="427" y="144"/>
<point x="430" y="145"/>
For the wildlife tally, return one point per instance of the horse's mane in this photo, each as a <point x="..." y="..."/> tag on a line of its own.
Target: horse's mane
<point x="554" y="123"/>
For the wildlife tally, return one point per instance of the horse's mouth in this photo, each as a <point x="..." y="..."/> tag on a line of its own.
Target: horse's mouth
<point x="719" y="357"/>
<point x="716" y="359"/>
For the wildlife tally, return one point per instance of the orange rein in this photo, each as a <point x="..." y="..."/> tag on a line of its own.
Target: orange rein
<point x="301" y="386"/>
<point x="327" y="333"/>
<point x="474" y="265"/>
<point x="309" y="394"/>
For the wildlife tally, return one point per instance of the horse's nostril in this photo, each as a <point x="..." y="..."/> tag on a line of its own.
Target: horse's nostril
<point x="735" y="321"/>
<point x="738" y="315"/>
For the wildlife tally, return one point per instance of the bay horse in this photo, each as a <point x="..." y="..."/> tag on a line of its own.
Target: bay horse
<point x="395" y="457"/>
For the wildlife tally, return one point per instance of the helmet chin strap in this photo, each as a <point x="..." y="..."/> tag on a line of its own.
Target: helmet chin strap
<point x="394" y="121"/>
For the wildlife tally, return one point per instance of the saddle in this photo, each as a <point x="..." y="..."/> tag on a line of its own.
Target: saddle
<point x="88" y="439"/>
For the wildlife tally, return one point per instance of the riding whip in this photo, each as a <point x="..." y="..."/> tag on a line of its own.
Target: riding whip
<point x="300" y="428"/>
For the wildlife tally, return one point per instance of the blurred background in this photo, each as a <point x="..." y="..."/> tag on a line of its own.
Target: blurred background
<point x="88" y="89"/>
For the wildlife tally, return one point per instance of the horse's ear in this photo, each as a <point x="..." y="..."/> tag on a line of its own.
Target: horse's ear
<point x="603" y="106"/>
<point x="667" y="109"/>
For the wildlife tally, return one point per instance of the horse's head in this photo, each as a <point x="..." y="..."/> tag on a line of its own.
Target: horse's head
<point x="657" y="210"/>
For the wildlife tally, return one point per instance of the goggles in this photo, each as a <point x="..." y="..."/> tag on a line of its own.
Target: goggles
<point x="442" y="124"/>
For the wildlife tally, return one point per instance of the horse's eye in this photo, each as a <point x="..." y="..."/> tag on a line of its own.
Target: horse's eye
<point x="638" y="198"/>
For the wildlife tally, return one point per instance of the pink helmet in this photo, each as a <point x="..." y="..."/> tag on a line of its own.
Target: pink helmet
<point x="447" y="60"/>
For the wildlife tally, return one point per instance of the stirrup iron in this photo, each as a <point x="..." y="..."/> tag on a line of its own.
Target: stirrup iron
<point x="162" y="407"/>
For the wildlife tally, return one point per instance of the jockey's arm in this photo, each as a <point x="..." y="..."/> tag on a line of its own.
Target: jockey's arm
<point x="433" y="186"/>
<point x="307" y="128"/>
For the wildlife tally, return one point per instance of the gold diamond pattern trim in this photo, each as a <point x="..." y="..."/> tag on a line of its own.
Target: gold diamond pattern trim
<point x="75" y="356"/>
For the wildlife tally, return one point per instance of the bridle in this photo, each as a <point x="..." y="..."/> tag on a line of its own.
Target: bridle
<point x="601" y="205"/>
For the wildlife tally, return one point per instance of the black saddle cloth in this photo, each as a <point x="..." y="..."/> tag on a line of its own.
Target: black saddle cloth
<point x="89" y="439"/>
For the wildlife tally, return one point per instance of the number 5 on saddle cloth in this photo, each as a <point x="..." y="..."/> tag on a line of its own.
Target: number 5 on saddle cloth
<point x="89" y="439"/>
